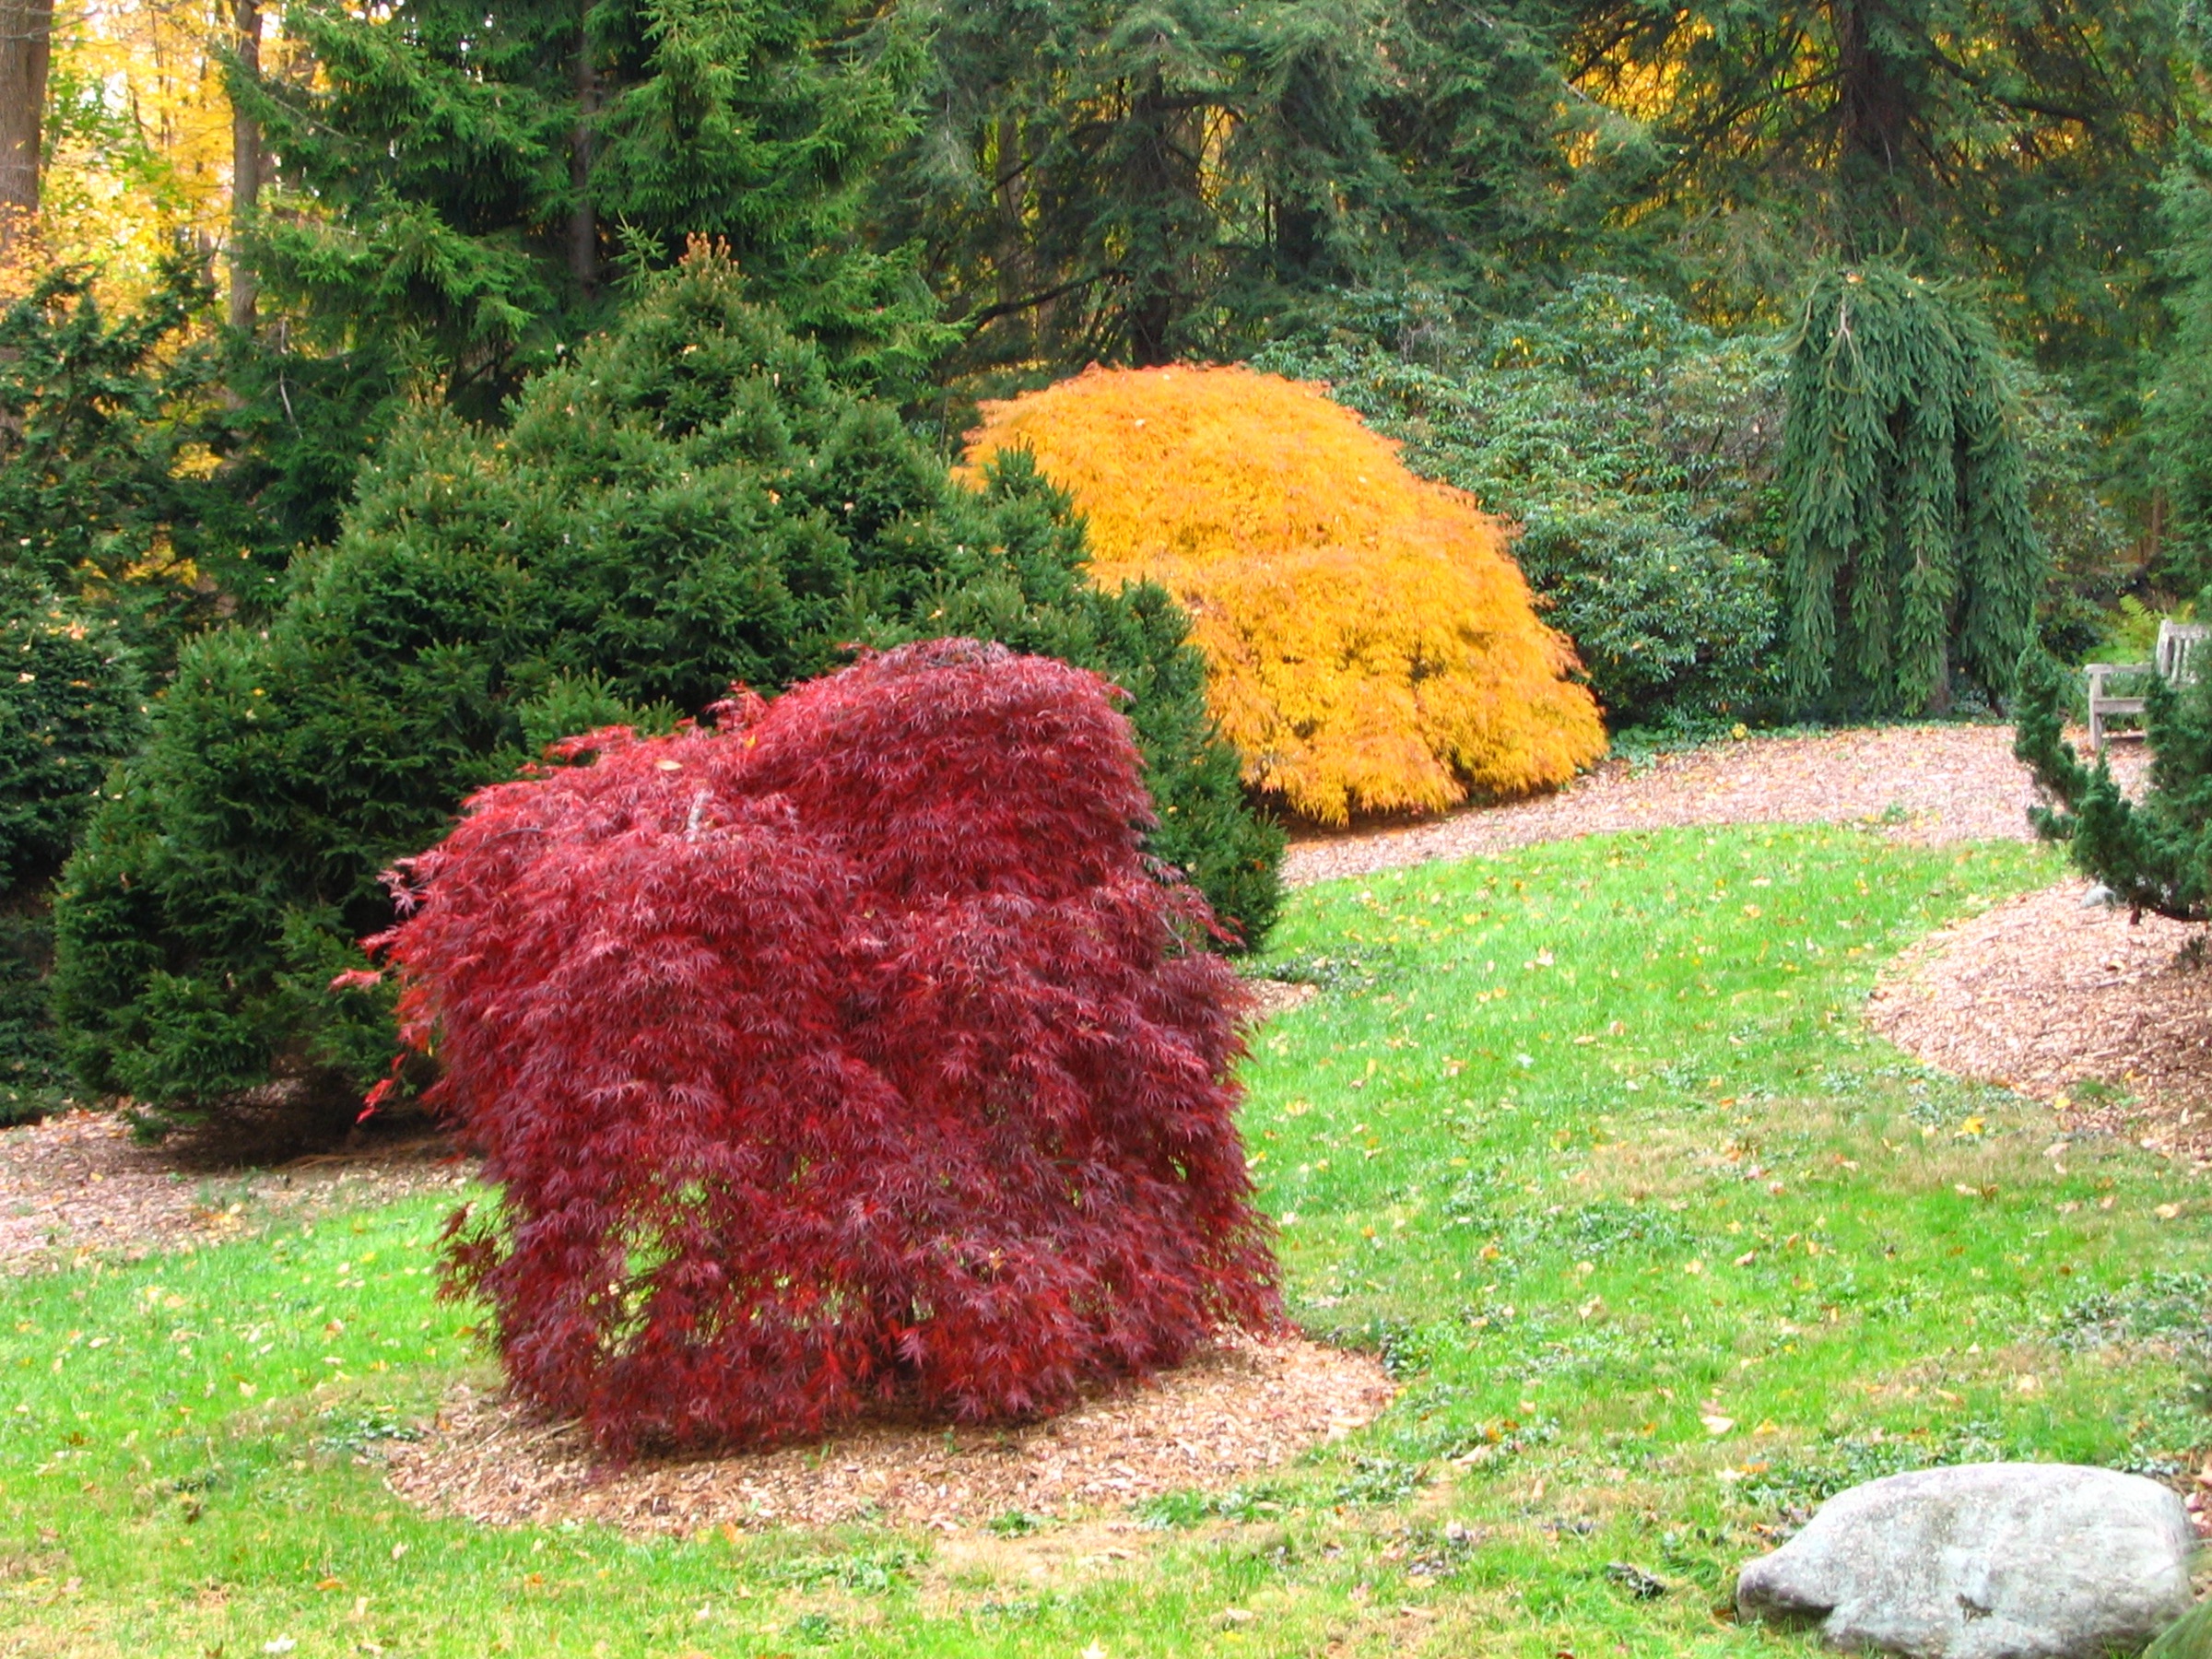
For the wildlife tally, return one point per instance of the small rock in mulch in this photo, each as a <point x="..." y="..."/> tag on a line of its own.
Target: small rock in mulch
<point x="78" y="1185"/>
<point x="2107" y="1020"/>
<point x="1237" y="1408"/>
<point x="1924" y="783"/>
<point x="1984" y="1562"/>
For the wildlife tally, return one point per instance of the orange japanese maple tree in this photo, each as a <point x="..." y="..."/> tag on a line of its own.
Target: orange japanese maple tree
<point x="1369" y="643"/>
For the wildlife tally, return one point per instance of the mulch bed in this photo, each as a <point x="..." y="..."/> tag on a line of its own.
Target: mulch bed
<point x="1239" y="1408"/>
<point x="2106" y="1019"/>
<point x="1929" y="784"/>
<point x="78" y="1185"/>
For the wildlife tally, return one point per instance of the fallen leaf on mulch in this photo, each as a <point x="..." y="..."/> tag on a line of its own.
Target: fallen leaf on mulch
<point x="1237" y="1408"/>
<point x="2103" y="1018"/>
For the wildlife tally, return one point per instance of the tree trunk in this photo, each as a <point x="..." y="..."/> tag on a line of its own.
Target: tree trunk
<point x="26" y="47"/>
<point x="245" y="167"/>
<point x="583" y="220"/>
<point x="1876" y="106"/>
<point x="1162" y="185"/>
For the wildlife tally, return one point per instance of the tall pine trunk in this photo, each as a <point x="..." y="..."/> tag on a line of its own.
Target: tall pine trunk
<point x="1163" y="178"/>
<point x="1877" y="111"/>
<point x="26" y="48"/>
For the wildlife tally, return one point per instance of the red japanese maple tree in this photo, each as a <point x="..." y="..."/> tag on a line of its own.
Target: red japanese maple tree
<point x="846" y="1052"/>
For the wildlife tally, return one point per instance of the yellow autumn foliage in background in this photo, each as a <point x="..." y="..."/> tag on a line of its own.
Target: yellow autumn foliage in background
<point x="1371" y="645"/>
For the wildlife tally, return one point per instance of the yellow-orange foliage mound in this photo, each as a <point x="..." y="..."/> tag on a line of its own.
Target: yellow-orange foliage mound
<point x="1373" y="647"/>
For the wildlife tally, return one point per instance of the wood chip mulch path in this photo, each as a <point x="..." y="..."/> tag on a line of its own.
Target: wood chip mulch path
<point x="78" y="1185"/>
<point x="1929" y="782"/>
<point x="2107" y="1020"/>
<point x="1238" y="1409"/>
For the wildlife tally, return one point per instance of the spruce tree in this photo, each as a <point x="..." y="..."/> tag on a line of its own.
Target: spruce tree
<point x="1118" y="183"/>
<point x="1913" y="566"/>
<point x="459" y="187"/>
<point x="691" y="500"/>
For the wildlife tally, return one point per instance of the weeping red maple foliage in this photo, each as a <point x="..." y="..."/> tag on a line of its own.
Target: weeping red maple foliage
<point x="848" y="1051"/>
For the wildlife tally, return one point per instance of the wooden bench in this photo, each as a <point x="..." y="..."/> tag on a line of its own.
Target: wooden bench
<point x="2177" y="664"/>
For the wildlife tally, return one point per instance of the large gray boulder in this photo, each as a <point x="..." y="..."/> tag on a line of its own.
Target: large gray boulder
<point x="1984" y="1562"/>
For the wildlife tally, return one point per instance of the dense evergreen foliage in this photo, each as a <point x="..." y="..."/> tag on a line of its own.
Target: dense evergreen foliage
<point x="71" y="704"/>
<point x="901" y="1082"/>
<point x="2156" y="854"/>
<point x="691" y="502"/>
<point x="1913" y="566"/>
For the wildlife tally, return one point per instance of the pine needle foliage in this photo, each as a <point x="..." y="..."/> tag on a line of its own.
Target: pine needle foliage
<point x="693" y="500"/>
<point x="2156" y="854"/>
<point x="1913" y="565"/>
<point x="1373" y="647"/>
<point x="849" y="1050"/>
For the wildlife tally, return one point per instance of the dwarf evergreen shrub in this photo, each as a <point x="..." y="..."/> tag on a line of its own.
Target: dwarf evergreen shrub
<point x="70" y="706"/>
<point x="850" y="1050"/>
<point x="691" y="502"/>
<point x="1372" y="647"/>
<point x="2155" y="855"/>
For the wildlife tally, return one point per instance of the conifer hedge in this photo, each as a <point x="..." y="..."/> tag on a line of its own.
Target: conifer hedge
<point x="690" y="502"/>
<point x="2155" y="853"/>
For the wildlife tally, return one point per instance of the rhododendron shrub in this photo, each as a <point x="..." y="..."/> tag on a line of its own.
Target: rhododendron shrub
<point x="849" y="1051"/>
<point x="1370" y="644"/>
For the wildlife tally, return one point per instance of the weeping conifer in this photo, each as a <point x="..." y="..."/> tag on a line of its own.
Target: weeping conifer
<point x="1913" y="562"/>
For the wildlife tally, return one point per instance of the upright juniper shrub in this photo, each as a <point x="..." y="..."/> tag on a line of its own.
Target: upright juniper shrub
<point x="70" y="706"/>
<point x="691" y="502"/>
<point x="850" y="1050"/>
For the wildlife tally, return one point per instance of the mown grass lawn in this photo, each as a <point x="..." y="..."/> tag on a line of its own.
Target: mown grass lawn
<point x="1588" y="1140"/>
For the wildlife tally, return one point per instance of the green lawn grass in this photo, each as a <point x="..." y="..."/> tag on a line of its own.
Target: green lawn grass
<point x="1588" y="1141"/>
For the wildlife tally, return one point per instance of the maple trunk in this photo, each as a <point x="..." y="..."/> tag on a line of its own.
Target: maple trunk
<point x="26" y="49"/>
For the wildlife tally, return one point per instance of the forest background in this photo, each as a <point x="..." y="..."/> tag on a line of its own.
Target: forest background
<point x="1564" y="251"/>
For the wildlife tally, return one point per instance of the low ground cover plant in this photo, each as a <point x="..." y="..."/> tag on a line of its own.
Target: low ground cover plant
<point x="1649" y="1297"/>
<point x="1371" y="646"/>
<point x="690" y="499"/>
<point x="845" y="1053"/>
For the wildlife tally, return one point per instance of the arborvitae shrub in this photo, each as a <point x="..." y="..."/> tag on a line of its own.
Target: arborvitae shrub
<point x="691" y="502"/>
<point x="70" y="706"/>
<point x="849" y="1051"/>
<point x="1371" y="646"/>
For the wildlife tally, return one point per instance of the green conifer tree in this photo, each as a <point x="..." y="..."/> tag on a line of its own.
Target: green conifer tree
<point x="2155" y="855"/>
<point x="1100" y="181"/>
<point x="691" y="500"/>
<point x="1913" y="565"/>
